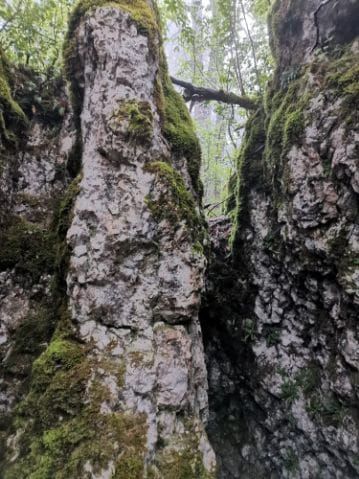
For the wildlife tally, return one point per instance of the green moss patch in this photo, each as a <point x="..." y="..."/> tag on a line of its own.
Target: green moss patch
<point x="250" y="170"/>
<point x="11" y="114"/>
<point x="138" y="115"/>
<point x="63" y="431"/>
<point x="27" y="247"/>
<point x="29" y="340"/>
<point x="62" y="221"/>
<point x="186" y="462"/>
<point x="140" y="11"/>
<point x="286" y="121"/>
<point x="342" y="76"/>
<point x="175" y="203"/>
<point x="178" y="127"/>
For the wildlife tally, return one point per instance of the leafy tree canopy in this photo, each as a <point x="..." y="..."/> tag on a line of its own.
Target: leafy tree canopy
<point x="32" y="31"/>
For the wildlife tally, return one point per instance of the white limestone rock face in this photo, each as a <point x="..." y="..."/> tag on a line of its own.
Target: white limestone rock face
<point x="135" y="282"/>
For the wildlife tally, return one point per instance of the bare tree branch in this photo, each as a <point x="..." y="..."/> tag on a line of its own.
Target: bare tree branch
<point x="195" y="93"/>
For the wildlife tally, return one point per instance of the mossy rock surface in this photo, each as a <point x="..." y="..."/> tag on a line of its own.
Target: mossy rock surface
<point x="141" y="13"/>
<point x="139" y="118"/>
<point x="250" y="170"/>
<point x="63" y="431"/>
<point x="27" y="247"/>
<point x="342" y="77"/>
<point x="175" y="203"/>
<point x="12" y="117"/>
<point x="178" y="127"/>
<point x="176" y="122"/>
<point x="185" y="461"/>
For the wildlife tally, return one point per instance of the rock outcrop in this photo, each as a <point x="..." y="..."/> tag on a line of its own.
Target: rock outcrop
<point x="101" y="292"/>
<point x="102" y="263"/>
<point x="281" y="320"/>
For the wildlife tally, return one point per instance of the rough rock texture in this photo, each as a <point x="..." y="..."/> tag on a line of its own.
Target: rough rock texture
<point x="120" y="389"/>
<point x="102" y="266"/>
<point x="280" y="323"/>
<point x="135" y="283"/>
<point x="33" y="178"/>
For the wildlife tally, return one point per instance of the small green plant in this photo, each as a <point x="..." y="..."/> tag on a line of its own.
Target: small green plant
<point x="314" y="407"/>
<point x="308" y="379"/>
<point x="272" y="337"/>
<point x="290" y="391"/>
<point x="291" y="462"/>
<point x="334" y="409"/>
<point x="330" y="410"/>
<point x="249" y="328"/>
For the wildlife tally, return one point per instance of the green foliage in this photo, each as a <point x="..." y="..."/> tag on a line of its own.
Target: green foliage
<point x="249" y="330"/>
<point x="32" y="31"/>
<point x="309" y="379"/>
<point x="291" y="461"/>
<point x="327" y="409"/>
<point x="218" y="162"/>
<point x="222" y="45"/>
<point x="272" y="337"/>
<point x="289" y="391"/>
<point x="261" y="8"/>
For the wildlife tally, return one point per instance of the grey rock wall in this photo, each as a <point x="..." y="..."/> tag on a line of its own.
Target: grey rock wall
<point x="280" y="323"/>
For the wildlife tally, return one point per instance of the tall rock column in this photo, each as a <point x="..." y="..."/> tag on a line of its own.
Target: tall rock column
<point x="121" y="390"/>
